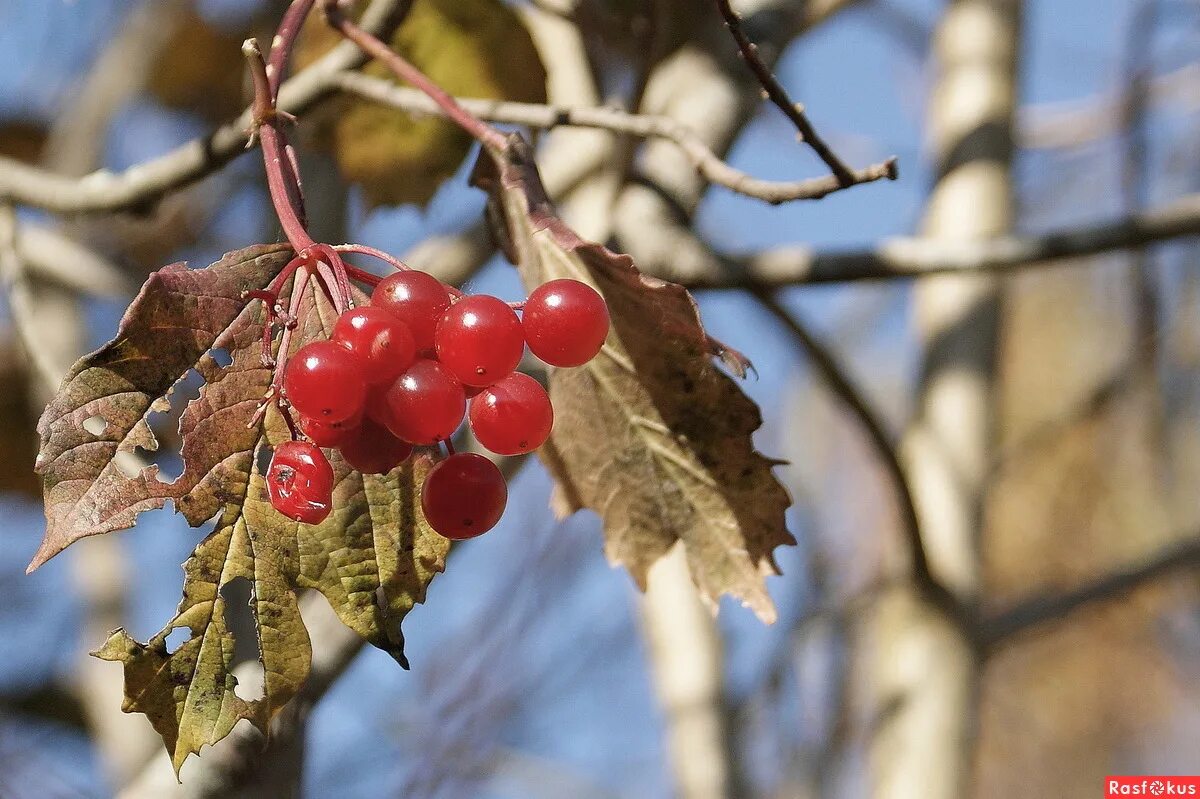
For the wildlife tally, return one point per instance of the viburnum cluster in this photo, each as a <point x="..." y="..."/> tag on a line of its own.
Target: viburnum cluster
<point x="404" y="371"/>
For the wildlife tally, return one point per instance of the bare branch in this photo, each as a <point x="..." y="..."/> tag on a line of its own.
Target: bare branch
<point x="1078" y="123"/>
<point x="144" y="183"/>
<point x="852" y="398"/>
<point x="54" y="257"/>
<point x="20" y="300"/>
<point x="779" y="96"/>
<point x="909" y="257"/>
<point x="1051" y="607"/>
<point x="617" y="121"/>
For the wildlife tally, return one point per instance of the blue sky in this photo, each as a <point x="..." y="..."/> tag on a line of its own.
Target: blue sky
<point x="865" y="88"/>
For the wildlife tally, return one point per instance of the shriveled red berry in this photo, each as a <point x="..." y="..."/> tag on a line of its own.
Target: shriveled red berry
<point x="464" y="496"/>
<point x="325" y="382"/>
<point x="329" y="435"/>
<point x="512" y="417"/>
<point x="480" y="339"/>
<point x="382" y="342"/>
<point x="300" y="482"/>
<point x="416" y="299"/>
<point x="565" y="322"/>
<point x="426" y="403"/>
<point x="372" y="449"/>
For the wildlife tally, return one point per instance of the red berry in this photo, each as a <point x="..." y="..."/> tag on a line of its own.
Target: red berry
<point x="329" y="435"/>
<point x="480" y="339"/>
<point x="376" y="406"/>
<point x="464" y="496"/>
<point x="426" y="403"/>
<point x="565" y="322"/>
<point x="374" y="450"/>
<point x="382" y="342"/>
<point x="300" y="482"/>
<point x="512" y="417"/>
<point x="325" y="382"/>
<point x="416" y="299"/>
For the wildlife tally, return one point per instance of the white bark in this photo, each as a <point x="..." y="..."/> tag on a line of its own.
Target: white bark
<point x="923" y="669"/>
<point x="686" y="665"/>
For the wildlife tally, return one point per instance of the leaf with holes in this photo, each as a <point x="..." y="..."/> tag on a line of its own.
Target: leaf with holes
<point x="650" y="433"/>
<point x="372" y="558"/>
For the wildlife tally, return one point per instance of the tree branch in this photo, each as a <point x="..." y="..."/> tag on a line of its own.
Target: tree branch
<point x="1050" y="607"/>
<point x="839" y="382"/>
<point x="617" y="121"/>
<point x="143" y="184"/>
<point x="905" y="257"/>
<point x="779" y="96"/>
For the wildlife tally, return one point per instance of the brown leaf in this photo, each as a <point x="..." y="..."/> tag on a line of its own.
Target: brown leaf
<point x="471" y="48"/>
<point x="200" y="68"/>
<point x="372" y="558"/>
<point x="650" y="433"/>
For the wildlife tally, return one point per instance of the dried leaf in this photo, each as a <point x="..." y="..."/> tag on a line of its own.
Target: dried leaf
<point x="372" y="559"/>
<point x="200" y="69"/>
<point x="471" y="48"/>
<point x="650" y="434"/>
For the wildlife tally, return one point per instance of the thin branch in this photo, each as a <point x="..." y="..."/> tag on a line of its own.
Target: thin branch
<point x="1051" y="607"/>
<point x="284" y="191"/>
<point x="406" y="71"/>
<point x="909" y="257"/>
<point x="536" y="115"/>
<point x="21" y="301"/>
<point x="145" y="183"/>
<point x="779" y="96"/>
<point x="843" y="387"/>
<point x="52" y="256"/>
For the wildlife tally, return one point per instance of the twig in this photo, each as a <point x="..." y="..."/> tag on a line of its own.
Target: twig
<point x="265" y="125"/>
<point x="1051" y="607"/>
<point x="406" y="71"/>
<point x="21" y="302"/>
<point x="840" y="383"/>
<point x="147" y="182"/>
<point x="535" y="115"/>
<point x="779" y="96"/>
<point x="52" y="256"/>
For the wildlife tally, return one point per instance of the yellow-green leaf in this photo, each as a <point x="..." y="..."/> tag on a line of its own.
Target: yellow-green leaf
<point x="650" y="433"/>
<point x="372" y="558"/>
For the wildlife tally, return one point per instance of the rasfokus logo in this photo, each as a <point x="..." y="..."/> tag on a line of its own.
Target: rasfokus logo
<point x="1158" y="785"/>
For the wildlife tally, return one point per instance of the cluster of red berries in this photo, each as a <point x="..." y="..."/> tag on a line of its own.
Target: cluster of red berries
<point x="404" y="370"/>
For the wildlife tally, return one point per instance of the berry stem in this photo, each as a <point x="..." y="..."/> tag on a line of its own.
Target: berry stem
<point x="363" y="276"/>
<point x="363" y="249"/>
<point x="482" y="132"/>
<point x="332" y="286"/>
<point x="284" y="41"/>
<point x="299" y="286"/>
